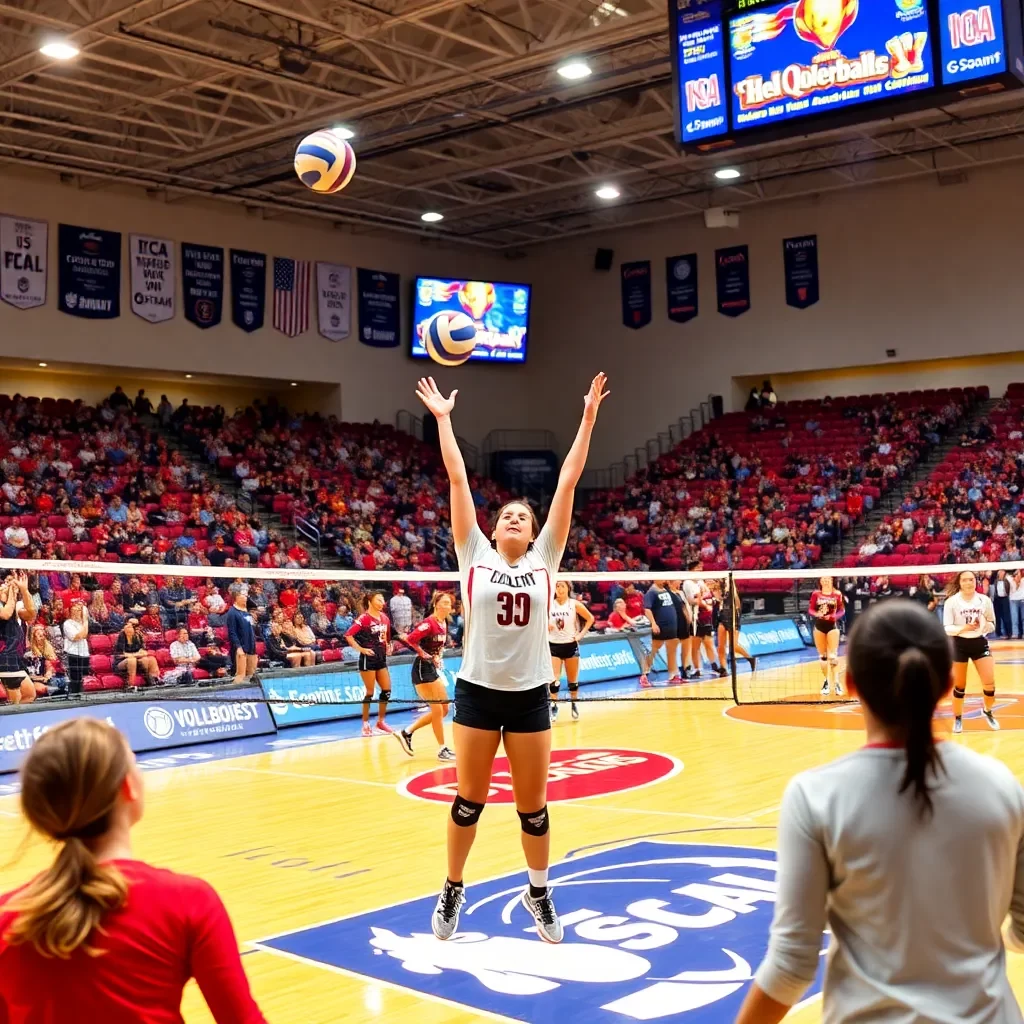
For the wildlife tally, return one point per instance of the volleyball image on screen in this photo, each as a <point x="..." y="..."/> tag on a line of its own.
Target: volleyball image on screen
<point x="450" y="338"/>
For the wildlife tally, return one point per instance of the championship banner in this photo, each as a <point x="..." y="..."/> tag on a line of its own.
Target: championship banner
<point x="681" y="287"/>
<point x="636" y="294"/>
<point x="800" y="259"/>
<point x="732" y="280"/>
<point x="89" y="272"/>
<point x="23" y="262"/>
<point x="202" y="278"/>
<point x="152" y="270"/>
<point x="333" y="300"/>
<point x="248" y="289"/>
<point x="378" y="308"/>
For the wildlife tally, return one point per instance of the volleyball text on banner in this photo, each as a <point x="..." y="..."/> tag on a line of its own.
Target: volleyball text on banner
<point x="800" y="259"/>
<point x="23" y="261"/>
<point x="291" y="295"/>
<point x="202" y="278"/>
<point x="681" y="287"/>
<point x="378" y="308"/>
<point x="732" y="280"/>
<point x="636" y="294"/>
<point x="152" y="274"/>
<point x="89" y="272"/>
<point x="333" y="300"/>
<point x="248" y="289"/>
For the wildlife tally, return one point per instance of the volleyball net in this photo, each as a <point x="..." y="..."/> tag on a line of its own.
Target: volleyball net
<point x="78" y="650"/>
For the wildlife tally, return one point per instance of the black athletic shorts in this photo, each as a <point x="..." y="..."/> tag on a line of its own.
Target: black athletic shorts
<point x="970" y="648"/>
<point x="565" y="651"/>
<point x="372" y="664"/>
<point x="825" y="625"/>
<point x="685" y="629"/>
<point x="424" y="671"/>
<point x="480" y="707"/>
<point x="704" y="629"/>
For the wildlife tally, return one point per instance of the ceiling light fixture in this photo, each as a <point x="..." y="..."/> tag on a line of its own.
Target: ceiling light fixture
<point x="727" y="173"/>
<point x="342" y="132"/>
<point x="59" y="49"/>
<point x="188" y="376"/>
<point x="607" y="192"/>
<point x="295" y="384"/>
<point x="574" y="70"/>
<point x="431" y="217"/>
<point x="44" y="365"/>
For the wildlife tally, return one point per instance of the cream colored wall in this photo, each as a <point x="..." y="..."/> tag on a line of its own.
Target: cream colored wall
<point x="934" y="272"/>
<point x="375" y="383"/>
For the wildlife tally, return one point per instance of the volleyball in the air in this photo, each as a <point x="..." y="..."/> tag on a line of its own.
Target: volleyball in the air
<point x="325" y="162"/>
<point x="449" y="338"/>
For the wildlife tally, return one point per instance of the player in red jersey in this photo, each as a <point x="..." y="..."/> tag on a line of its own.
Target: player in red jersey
<point x="370" y="635"/>
<point x="428" y="640"/>
<point x="100" y="936"/>
<point x="826" y="608"/>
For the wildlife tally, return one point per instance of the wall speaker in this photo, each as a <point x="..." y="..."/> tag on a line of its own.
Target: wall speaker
<point x="603" y="259"/>
<point x="717" y="407"/>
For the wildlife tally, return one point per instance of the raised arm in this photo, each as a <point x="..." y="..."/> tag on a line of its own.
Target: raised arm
<point x="463" y="511"/>
<point x="560" y="512"/>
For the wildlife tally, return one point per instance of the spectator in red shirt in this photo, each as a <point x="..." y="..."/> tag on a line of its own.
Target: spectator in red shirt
<point x="155" y="929"/>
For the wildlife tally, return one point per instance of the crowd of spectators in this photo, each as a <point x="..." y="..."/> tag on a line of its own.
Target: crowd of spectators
<point x="376" y="497"/>
<point x="770" y="488"/>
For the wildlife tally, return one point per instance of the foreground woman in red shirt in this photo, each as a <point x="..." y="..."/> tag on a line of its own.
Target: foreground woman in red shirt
<point x="100" y="936"/>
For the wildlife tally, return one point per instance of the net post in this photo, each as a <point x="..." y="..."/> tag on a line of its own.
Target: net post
<point x="733" y="638"/>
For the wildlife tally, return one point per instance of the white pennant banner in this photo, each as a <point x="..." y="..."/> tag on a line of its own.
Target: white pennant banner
<point x="152" y="267"/>
<point x="23" y="262"/>
<point x="334" y="300"/>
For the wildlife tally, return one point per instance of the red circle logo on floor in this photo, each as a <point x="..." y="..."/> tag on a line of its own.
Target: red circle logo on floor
<point x="575" y="774"/>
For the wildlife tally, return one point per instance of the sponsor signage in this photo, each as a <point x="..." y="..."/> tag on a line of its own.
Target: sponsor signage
<point x="147" y="724"/>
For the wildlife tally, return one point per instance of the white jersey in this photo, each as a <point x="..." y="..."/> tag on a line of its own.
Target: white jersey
<point x="562" y="628"/>
<point x="977" y="613"/>
<point x="854" y="855"/>
<point x="506" y="611"/>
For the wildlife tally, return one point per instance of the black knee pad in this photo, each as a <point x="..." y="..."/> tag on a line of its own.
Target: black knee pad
<point x="368" y="699"/>
<point x="553" y="687"/>
<point x="385" y="696"/>
<point x="959" y="694"/>
<point x="822" y="657"/>
<point x="466" y="812"/>
<point x="535" y="823"/>
<point x="574" y="687"/>
<point x="989" y="693"/>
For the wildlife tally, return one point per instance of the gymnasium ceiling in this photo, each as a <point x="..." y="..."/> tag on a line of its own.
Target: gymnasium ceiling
<point x="456" y="107"/>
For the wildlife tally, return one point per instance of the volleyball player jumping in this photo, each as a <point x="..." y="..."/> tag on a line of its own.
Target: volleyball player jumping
<point x="428" y="640"/>
<point x="501" y="695"/>
<point x="564" y="636"/>
<point x="16" y="607"/>
<point x="969" y="617"/>
<point x="826" y="608"/>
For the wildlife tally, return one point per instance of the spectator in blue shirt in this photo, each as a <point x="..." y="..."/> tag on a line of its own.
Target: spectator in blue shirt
<point x="116" y="511"/>
<point x="241" y="633"/>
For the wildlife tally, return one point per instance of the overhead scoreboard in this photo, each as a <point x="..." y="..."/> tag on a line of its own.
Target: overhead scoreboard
<point x="749" y="71"/>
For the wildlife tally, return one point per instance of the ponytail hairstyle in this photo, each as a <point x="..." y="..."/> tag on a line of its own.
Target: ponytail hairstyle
<point x="70" y="783"/>
<point x="900" y="662"/>
<point x="953" y="586"/>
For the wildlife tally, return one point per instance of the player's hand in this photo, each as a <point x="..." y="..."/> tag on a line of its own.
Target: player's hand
<point x="366" y="651"/>
<point x="655" y="629"/>
<point x="428" y="393"/>
<point x="594" y="397"/>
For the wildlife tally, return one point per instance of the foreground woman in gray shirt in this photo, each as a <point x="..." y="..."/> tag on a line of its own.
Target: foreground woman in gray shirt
<point x="910" y="852"/>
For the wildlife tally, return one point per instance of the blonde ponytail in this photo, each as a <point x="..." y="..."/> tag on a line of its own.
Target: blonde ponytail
<point x="70" y="784"/>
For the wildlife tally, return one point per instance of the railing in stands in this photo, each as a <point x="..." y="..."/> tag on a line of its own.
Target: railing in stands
<point x="312" y="534"/>
<point x="411" y="424"/>
<point x="519" y="439"/>
<point x="246" y="502"/>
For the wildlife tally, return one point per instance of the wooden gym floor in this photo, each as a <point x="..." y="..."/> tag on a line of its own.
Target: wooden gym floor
<point x="319" y="828"/>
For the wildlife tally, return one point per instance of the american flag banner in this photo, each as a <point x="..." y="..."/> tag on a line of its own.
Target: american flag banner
<point x="291" y="295"/>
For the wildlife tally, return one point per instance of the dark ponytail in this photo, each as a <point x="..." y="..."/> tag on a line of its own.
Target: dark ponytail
<point x="914" y="686"/>
<point x="900" y="661"/>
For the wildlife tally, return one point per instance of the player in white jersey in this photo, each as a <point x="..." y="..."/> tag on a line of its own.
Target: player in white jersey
<point x="908" y="850"/>
<point x="564" y="637"/>
<point x="501" y="695"/>
<point x="969" y="617"/>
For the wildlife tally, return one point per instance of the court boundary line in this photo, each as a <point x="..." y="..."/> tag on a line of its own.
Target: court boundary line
<point x="261" y="944"/>
<point x="677" y="766"/>
<point x="300" y="775"/>
<point x="416" y="993"/>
